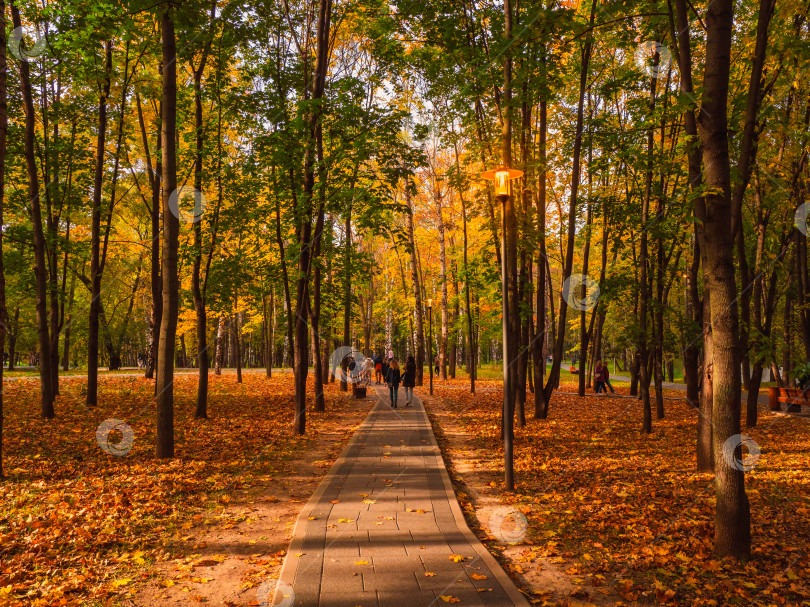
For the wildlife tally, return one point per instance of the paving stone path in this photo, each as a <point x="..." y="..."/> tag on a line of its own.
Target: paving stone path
<point x="383" y="524"/>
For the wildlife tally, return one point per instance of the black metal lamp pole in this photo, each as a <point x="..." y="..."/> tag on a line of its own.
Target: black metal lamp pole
<point x="502" y="176"/>
<point x="430" y="343"/>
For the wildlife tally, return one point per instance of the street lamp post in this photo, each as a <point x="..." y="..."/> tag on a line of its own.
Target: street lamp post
<point x="430" y="342"/>
<point x="502" y="177"/>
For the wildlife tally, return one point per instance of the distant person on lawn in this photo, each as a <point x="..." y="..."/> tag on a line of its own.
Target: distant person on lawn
<point x="409" y="380"/>
<point x="393" y="378"/>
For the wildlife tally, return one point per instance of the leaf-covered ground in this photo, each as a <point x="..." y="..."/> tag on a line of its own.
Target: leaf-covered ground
<point x="617" y="517"/>
<point x="81" y="527"/>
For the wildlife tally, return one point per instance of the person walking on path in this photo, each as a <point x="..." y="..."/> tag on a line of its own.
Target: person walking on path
<point x="598" y="379"/>
<point x="409" y="380"/>
<point x="368" y="367"/>
<point x="384" y="368"/>
<point x="378" y="368"/>
<point x="393" y="378"/>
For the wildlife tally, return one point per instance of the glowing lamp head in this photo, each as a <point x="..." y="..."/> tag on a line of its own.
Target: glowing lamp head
<point x="430" y="303"/>
<point x="502" y="176"/>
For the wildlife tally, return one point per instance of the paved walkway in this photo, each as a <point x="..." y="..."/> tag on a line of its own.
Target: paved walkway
<point x="384" y="527"/>
<point x="762" y="399"/>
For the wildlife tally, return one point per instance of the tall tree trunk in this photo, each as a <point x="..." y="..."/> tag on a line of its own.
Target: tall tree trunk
<point x="3" y="135"/>
<point x="315" y="312"/>
<point x="154" y="215"/>
<point x="95" y="238"/>
<point x="219" y="356"/>
<point x="644" y="371"/>
<point x="471" y="361"/>
<point x="40" y="266"/>
<point x="69" y="323"/>
<point x="196" y="290"/>
<point x="443" y="265"/>
<point x="305" y="231"/>
<point x="701" y="311"/>
<point x="420" y="323"/>
<point x="171" y="232"/>
<point x="747" y="158"/>
<point x="454" y="345"/>
<point x="554" y="374"/>
<point x="347" y="296"/>
<point x="732" y="515"/>
<point x="236" y="328"/>
<point x="539" y="339"/>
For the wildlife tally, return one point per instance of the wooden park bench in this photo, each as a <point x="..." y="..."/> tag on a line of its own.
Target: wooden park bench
<point x="794" y="399"/>
<point x="359" y="390"/>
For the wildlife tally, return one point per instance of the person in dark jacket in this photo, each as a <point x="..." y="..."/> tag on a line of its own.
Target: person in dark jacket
<point x="392" y="378"/>
<point x="384" y="368"/>
<point x="378" y="368"/>
<point x="409" y="380"/>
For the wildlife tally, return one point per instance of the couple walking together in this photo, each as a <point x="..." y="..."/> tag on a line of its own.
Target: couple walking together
<point x="601" y="378"/>
<point x="394" y="376"/>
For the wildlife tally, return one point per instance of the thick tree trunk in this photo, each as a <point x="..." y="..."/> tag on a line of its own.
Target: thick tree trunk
<point x="732" y="515"/>
<point x="168" y="324"/>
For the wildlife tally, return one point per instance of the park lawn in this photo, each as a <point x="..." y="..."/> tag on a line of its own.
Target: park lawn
<point x="623" y="518"/>
<point x="81" y="527"/>
<point x="495" y="371"/>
